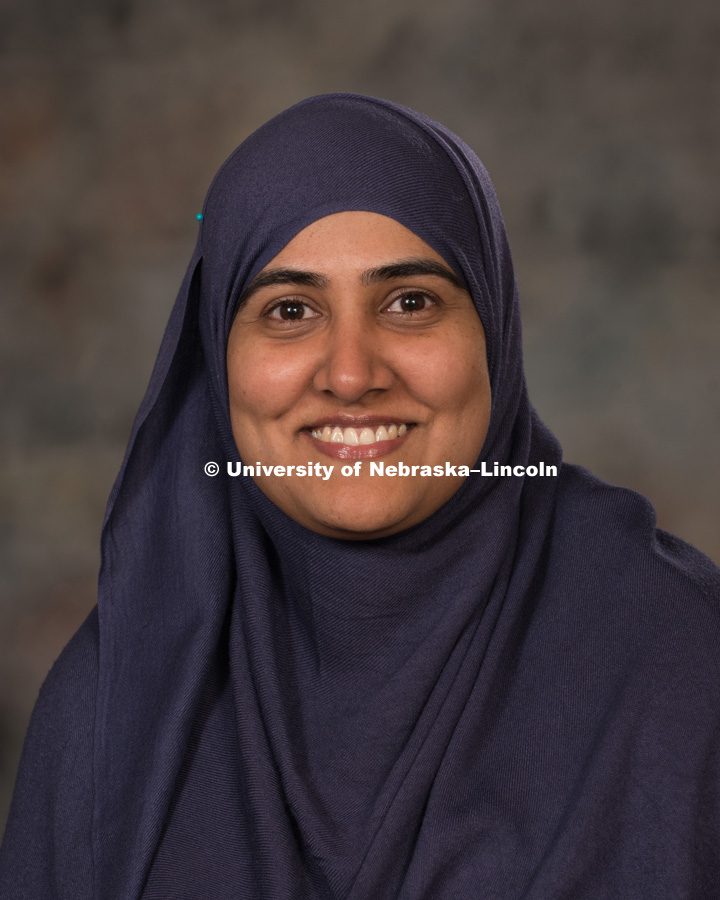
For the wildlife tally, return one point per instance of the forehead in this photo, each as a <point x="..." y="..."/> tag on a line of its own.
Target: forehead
<point x="352" y="240"/>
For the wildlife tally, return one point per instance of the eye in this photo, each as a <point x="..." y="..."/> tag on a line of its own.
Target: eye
<point x="291" y="311"/>
<point x="411" y="302"/>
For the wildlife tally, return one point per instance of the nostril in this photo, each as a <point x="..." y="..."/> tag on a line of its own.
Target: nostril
<point x="349" y="377"/>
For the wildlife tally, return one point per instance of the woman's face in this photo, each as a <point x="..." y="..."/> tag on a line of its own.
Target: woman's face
<point x="357" y="343"/>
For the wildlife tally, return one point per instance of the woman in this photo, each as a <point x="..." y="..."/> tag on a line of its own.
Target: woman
<point x="363" y="685"/>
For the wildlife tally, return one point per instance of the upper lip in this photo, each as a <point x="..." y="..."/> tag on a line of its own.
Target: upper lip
<point x="349" y="421"/>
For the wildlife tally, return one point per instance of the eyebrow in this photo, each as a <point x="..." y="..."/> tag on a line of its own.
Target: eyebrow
<point x="404" y="268"/>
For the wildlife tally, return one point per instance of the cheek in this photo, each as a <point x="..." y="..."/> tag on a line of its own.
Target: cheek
<point x="450" y="377"/>
<point x="264" y="383"/>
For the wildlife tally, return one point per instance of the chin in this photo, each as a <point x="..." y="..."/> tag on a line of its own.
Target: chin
<point x="361" y="524"/>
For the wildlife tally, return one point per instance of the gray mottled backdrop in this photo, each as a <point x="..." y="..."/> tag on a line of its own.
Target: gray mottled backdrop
<point x="599" y="122"/>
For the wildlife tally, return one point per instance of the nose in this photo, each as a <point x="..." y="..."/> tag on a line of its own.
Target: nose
<point x="353" y="361"/>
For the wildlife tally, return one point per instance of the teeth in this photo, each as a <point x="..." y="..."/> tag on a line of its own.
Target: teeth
<point x="354" y="437"/>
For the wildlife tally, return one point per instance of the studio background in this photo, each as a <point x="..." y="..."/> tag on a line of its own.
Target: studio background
<point x="598" y="123"/>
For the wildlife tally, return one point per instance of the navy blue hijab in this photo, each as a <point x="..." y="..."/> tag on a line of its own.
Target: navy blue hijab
<point x="516" y="698"/>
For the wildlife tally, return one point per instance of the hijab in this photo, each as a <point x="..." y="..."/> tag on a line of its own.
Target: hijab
<point x="452" y="711"/>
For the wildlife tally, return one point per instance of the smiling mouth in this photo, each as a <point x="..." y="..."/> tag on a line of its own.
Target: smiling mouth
<point x="364" y="440"/>
<point x="358" y="437"/>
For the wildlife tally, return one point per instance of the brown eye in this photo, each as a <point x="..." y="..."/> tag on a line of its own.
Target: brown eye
<point x="413" y="301"/>
<point x="290" y="311"/>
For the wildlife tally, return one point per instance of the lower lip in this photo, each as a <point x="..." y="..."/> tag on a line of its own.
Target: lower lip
<point x="362" y="451"/>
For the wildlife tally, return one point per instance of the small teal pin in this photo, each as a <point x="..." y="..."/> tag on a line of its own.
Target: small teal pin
<point x="199" y="217"/>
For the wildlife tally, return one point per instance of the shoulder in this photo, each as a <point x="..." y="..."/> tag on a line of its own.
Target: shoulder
<point x="47" y="847"/>
<point x="614" y="529"/>
<point x="634" y="630"/>
<point x="635" y="603"/>
<point x="70" y="688"/>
